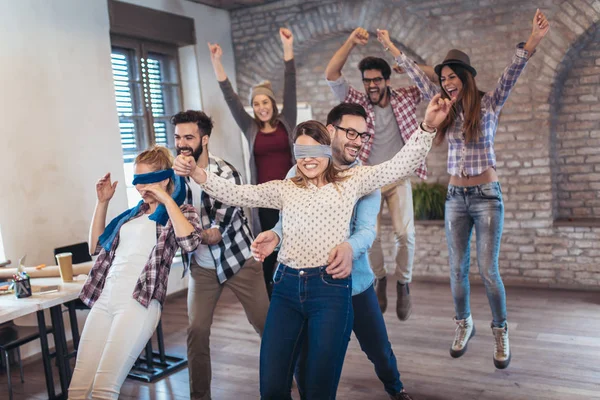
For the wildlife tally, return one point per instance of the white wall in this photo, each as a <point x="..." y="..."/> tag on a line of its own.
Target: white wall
<point x="212" y="25"/>
<point x="60" y="127"/>
<point x="59" y="123"/>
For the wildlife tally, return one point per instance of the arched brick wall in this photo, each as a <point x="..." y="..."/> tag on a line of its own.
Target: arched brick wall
<point x="534" y="250"/>
<point x="575" y="135"/>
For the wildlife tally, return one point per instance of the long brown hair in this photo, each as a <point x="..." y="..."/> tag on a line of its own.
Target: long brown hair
<point x="160" y="158"/>
<point x="318" y="132"/>
<point x="273" y="120"/>
<point x="471" y="106"/>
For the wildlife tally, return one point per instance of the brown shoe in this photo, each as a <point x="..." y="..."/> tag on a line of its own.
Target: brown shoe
<point x="403" y="305"/>
<point x="381" y="292"/>
<point x="401" y="396"/>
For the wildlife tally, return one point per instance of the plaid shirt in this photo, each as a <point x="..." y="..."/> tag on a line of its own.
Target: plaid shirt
<point x="152" y="283"/>
<point x="470" y="159"/>
<point x="231" y="221"/>
<point x="404" y="103"/>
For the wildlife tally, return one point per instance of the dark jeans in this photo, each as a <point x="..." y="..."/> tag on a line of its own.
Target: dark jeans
<point x="268" y="219"/>
<point x="369" y="328"/>
<point x="308" y="309"/>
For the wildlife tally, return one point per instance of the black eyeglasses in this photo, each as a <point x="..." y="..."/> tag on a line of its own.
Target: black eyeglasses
<point x="377" y="81"/>
<point x="353" y="134"/>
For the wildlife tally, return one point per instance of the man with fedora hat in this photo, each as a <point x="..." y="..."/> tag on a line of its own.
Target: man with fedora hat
<point x="391" y="122"/>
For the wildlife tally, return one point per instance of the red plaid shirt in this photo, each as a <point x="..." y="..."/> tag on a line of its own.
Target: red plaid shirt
<point x="152" y="283"/>
<point x="404" y="103"/>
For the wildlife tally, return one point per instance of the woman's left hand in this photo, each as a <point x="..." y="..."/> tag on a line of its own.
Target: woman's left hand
<point x="158" y="192"/>
<point x="540" y="25"/>
<point x="286" y="36"/>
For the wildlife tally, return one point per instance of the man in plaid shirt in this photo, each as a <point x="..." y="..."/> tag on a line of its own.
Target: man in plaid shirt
<point x="222" y="259"/>
<point x="391" y="120"/>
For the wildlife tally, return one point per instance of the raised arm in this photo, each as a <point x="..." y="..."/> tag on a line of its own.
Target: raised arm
<point x="242" y="118"/>
<point x="406" y="161"/>
<point x="358" y="37"/>
<point x="423" y="78"/>
<point x="427" y="69"/>
<point x="290" y="106"/>
<point x="105" y="190"/>
<point x="265" y="195"/>
<point x="539" y="30"/>
<point x="509" y="77"/>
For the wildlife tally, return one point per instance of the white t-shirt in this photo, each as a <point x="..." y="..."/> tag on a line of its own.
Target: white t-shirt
<point x="137" y="238"/>
<point x="202" y="255"/>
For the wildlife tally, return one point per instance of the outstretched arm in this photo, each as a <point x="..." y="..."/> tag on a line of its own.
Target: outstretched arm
<point x="406" y="161"/>
<point x="266" y="195"/>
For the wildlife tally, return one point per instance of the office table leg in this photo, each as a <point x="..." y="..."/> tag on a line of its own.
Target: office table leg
<point x="64" y="370"/>
<point x="46" y="354"/>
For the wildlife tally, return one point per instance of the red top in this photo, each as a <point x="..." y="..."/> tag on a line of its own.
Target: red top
<point x="272" y="154"/>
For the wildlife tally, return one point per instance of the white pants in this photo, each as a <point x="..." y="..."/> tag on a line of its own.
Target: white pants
<point x="115" y="333"/>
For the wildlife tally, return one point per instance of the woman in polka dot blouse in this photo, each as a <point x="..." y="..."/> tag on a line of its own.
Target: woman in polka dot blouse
<point x="317" y="206"/>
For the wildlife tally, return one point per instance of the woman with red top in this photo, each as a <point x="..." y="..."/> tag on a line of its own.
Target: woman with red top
<point x="269" y="133"/>
<point x="127" y="285"/>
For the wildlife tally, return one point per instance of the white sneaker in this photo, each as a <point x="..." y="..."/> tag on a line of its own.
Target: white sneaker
<point x="464" y="331"/>
<point x="501" y="347"/>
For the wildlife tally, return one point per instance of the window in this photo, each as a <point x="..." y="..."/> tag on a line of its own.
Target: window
<point x="147" y="94"/>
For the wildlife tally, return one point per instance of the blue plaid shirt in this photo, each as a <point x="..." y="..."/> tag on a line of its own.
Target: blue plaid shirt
<point x="470" y="159"/>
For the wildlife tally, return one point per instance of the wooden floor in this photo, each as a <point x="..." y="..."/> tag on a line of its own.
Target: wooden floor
<point x="555" y="341"/>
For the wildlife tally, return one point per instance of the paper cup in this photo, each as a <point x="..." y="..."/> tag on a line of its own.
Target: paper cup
<point x="65" y="266"/>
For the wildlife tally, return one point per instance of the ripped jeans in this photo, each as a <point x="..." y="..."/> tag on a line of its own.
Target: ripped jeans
<point x="480" y="206"/>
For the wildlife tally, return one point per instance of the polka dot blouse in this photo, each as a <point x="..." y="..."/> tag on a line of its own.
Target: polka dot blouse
<point x="315" y="220"/>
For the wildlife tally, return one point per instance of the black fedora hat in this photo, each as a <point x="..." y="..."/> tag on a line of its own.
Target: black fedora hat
<point x="456" y="57"/>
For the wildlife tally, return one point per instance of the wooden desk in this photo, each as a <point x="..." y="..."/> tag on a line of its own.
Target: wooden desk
<point x="10" y="312"/>
<point x="12" y="307"/>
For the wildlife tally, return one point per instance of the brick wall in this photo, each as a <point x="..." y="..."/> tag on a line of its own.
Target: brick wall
<point x="577" y="132"/>
<point x="550" y="119"/>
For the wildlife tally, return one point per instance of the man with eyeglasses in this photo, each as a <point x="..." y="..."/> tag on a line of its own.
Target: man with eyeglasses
<point x="347" y="126"/>
<point x="391" y="120"/>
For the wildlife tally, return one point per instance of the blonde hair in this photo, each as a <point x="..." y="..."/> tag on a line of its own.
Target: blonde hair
<point x="159" y="157"/>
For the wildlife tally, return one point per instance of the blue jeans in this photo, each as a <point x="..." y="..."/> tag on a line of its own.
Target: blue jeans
<point x="480" y="206"/>
<point x="308" y="309"/>
<point x="369" y="328"/>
